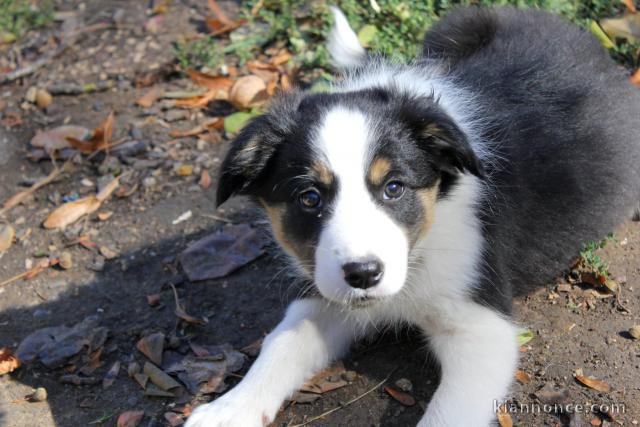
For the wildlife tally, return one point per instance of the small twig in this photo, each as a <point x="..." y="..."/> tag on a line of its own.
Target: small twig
<point x="620" y="305"/>
<point x="344" y="405"/>
<point x="217" y="218"/>
<point x="33" y="67"/>
<point x="21" y="196"/>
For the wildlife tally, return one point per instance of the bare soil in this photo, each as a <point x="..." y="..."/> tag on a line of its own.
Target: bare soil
<point x="245" y="305"/>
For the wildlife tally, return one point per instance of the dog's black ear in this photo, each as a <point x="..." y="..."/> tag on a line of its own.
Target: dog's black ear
<point x="247" y="158"/>
<point x="439" y="135"/>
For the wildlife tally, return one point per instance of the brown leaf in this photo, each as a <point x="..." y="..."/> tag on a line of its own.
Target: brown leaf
<point x="205" y="182"/>
<point x="216" y="123"/>
<point x="108" y="253"/>
<point x="149" y="98"/>
<point x="141" y="379"/>
<point x="523" y="377"/>
<point x="101" y="139"/>
<point x="404" y="398"/>
<point x="635" y="78"/>
<point x="201" y="101"/>
<point x="130" y="419"/>
<point x="320" y="383"/>
<point x="281" y="58"/>
<point x="217" y="11"/>
<point x="7" y="234"/>
<point x="70" y="212"/>
<point x="152" y="347"/>
<point x="217" y="83"/>
<point x="248" y="91"/>
<point x="182" y="314"/>
<point x="593" y="383"/>
<point x="504" y="418"/>
<point x="8" y="362"/>
<point x="57" y="138"/>
<point x="173" y="419"/>
<point x="111" y="375"/>
<point x="631" y="7"/>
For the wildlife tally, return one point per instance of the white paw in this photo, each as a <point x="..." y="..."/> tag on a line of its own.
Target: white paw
<point x="228" y="412"/>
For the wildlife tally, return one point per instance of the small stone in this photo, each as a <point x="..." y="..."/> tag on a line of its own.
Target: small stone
<point x="349" y="376"/>
<point x="40" y="395"/>
<point x="97" y="264"/>
<point x="149" y="182"/>
<point x="30" y="96"/>
<point x="635" y="332"/>
<point x="43" y="98"/>
<point x="65" y="260"/>
<point x="174" y="342"/>
<point x="176" y="115"/>
<point x="404" y="385"/>
<point x="184" y="170"/>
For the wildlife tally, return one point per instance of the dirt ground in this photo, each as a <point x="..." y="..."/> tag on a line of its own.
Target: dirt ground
<point x="569" y="334"/>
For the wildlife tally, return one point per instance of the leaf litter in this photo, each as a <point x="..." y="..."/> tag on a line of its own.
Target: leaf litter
<point x="222" y="253"/>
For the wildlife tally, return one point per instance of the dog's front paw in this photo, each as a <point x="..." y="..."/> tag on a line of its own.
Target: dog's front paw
<point x="228" y="412"/>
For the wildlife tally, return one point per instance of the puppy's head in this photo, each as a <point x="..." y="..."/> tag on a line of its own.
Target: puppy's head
<point x="350" y="182"/>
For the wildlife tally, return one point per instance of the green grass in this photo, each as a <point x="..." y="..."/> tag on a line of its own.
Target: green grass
<point x="590" y="260"/>
<point x="18" y="16"/>
<point x="396" y="30"/>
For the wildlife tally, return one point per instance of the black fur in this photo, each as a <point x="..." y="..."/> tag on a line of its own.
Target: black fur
<point x="563" y="121"/>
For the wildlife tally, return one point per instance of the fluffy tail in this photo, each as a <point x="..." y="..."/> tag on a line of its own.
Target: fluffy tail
<point x="344" y="47"/>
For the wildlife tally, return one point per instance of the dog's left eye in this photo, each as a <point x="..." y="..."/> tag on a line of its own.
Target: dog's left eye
<point x="310" y="199"/>
<point x="393" y="190"/>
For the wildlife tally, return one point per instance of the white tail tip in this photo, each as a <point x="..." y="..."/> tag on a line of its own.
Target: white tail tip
<point x="344" y="47"/>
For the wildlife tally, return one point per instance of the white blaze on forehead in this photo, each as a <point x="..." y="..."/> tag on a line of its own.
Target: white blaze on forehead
<point x="358" y="228"/>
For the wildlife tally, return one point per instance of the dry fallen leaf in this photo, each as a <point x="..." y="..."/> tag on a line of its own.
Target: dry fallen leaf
<point x="205" y="182"/>
<point x="182" y="314"/>
<point x="216" y="123"/>
<point x="635" y="78"/>
<point x="400" y="396"/>
<point x="159" y="377"/>
<point x="631" y="7"/>
<point x="57" y="138"/>
<point x="217" y="83"/>
<point x="504" y="418"/>
<point x="523" y="377"/>
<point x="70" y="212"/>
<point x="7" y="234"/>
<point x="149" y="98"/>
<point x="101" y="139"/>
<point x="626" y="27"/>
<point x="111" y="375"/>
<point x="152" y="347"/>
<point x="173" y="419"/>
<point x="8" y="362"/>
<point x="130" y="419"/>
<point x="248" y="91"/>
<point x="321" y="382"/>
<point x="593" y="383"/>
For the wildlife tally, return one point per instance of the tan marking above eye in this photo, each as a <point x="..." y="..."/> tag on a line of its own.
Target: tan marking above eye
<point x="322" y="173"/>
<point x="378" y="170"/>
<point x="428" y="198"/>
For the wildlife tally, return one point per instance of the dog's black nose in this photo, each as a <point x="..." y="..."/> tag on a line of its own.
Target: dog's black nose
<point x="363" y="275"/>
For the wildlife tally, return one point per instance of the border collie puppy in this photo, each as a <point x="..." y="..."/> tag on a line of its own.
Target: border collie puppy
<point x="430" y="194"/>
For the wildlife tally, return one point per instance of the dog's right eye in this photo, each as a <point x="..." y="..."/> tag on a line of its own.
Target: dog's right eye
<point x="310" y="200"/>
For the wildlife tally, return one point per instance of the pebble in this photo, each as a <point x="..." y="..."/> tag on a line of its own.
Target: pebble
<point x="349" y="376"/>
<point x="97" y="264"/>
<point x="635" y="332"/>
<point x="404" y="385"/>
<point x="65" y="260"/>
<point x="149" y="182"/>
<point x="176" y="115"/>
<point x="40" y="395"/>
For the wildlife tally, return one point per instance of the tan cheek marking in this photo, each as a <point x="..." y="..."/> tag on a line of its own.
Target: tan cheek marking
<point x="428" y="198"/>
<point x="379" y="170"/>
<point x="275" y="214"/>
<point x="322" y="173"/>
